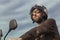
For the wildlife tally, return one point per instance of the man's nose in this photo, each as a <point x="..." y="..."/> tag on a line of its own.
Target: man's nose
<point x="34" y="14"/>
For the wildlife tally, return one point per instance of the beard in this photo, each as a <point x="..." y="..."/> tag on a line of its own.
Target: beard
<point x="39" y="20"/>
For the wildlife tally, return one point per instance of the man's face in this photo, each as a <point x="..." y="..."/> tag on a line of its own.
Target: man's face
<point x="36" y="15"/>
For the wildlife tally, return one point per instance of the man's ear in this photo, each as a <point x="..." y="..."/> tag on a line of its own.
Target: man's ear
<point x="43" y="14"/>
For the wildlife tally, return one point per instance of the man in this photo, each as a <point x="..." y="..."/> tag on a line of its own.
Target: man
<point x="46" y="29"/>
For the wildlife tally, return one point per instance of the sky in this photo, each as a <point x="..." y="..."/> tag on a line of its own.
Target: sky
<point x="19" y="10"/>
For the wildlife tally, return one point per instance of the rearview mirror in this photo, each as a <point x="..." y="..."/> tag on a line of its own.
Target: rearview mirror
<point x="12" y="26"/>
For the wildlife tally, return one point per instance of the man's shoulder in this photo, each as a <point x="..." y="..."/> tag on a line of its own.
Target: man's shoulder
<point x="50" y="20"/>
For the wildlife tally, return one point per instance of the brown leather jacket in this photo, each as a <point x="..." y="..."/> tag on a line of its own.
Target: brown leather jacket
<point x="47" y="30"/>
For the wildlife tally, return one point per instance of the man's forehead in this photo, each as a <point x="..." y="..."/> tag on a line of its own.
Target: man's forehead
<point x="36" y="10"/>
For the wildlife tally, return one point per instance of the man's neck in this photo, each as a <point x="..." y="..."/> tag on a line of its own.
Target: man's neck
<point x="41" y="22"/>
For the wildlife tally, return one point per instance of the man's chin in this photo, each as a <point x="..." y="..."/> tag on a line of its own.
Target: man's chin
<point x="35" y="20"/>
<point x="38" y="20"/>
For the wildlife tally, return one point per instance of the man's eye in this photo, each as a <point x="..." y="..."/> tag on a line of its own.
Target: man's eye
<point x="35" y="12"/>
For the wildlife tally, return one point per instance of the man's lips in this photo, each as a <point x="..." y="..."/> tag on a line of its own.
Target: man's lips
<point x="36" y="17"/>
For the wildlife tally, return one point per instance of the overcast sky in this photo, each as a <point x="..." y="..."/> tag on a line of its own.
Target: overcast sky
<point x="19" y="10"/>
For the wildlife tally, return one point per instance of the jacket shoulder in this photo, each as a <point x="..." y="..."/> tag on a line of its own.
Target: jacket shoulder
<point x="50" y="21"/>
